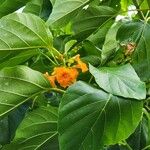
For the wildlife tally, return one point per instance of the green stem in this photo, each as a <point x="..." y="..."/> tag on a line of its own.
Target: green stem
<point x="147" y="14"/>
<point x="146" y="113"/>
<point x="33" y="102"/>
<point x="49" y="59"/>
<point x="127" y="145"/>
<point x="57" y="90"/>
<point x="91" y="79"/>
<point x="147" y="108"/>
<point x="56" y="52"/>
<point x="146" y="148"/>
<point x="54" y="57"/>
<point x="140" y="13"/>
<point x="148" y="99"/>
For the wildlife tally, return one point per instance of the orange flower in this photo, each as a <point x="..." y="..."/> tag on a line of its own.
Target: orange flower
<point x="80" y="65"/>
<point x="51" y="79"/>
<point x="65" y="76"/>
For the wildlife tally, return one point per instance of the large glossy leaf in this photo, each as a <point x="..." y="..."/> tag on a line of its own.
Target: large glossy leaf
<point x="122" y="81"/>
<point x="63" y="11"/>
<point x="138" y="32"/>
<point x="22" y="32"/>
<point x="9" y="6"/>
<point x="17" y="85"/>
<point x="90" y="118"/>
<point x="38" y="130"/>
<point x="90" y="19"/>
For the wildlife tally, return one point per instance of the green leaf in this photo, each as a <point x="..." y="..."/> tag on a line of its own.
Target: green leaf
<point x="4" y="131"/>
<point x="16" y="117"/>
<point x="90" y="53"/>
<point x="98" y="37"/>
<point x="18" y="85"/>
<point x="9" y="6"/>
<point x="90" y="19"/>
<point x="18" y="59"/>
<point x="122" y="81"/>
<point x="64" y="11"/>
<point x="22" y="32"/>
<point x="52" y="2"/>
<point x="7" y="128"/>
<point x="41" y="8"/>
<point x="114" y="4"/>
<point x="91" y="49"/>
<point x="38" y="130"/>
<point x="125" y="4"/>
<point x="92" y="59"/>
<point x="111" y="43"/>
<point x="138" y="32"/>
<point x="140" y="138"/>
<point x="90" y="118"/>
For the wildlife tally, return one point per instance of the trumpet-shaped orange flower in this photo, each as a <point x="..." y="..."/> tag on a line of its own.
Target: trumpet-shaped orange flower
<point x="80" y="65"/>
<point x="65" y="76"/>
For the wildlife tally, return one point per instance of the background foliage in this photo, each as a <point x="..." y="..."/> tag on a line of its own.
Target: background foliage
<point x="107" y="107"/>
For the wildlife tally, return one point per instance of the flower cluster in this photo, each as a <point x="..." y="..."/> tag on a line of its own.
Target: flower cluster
<point x="64" y="75"/>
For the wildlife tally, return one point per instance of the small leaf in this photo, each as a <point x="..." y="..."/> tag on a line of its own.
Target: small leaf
<point x="122" y="81"/>
<point x="90" y="118"/>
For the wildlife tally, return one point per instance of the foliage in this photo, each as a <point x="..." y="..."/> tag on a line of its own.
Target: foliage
<point x="74" y="76"/>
